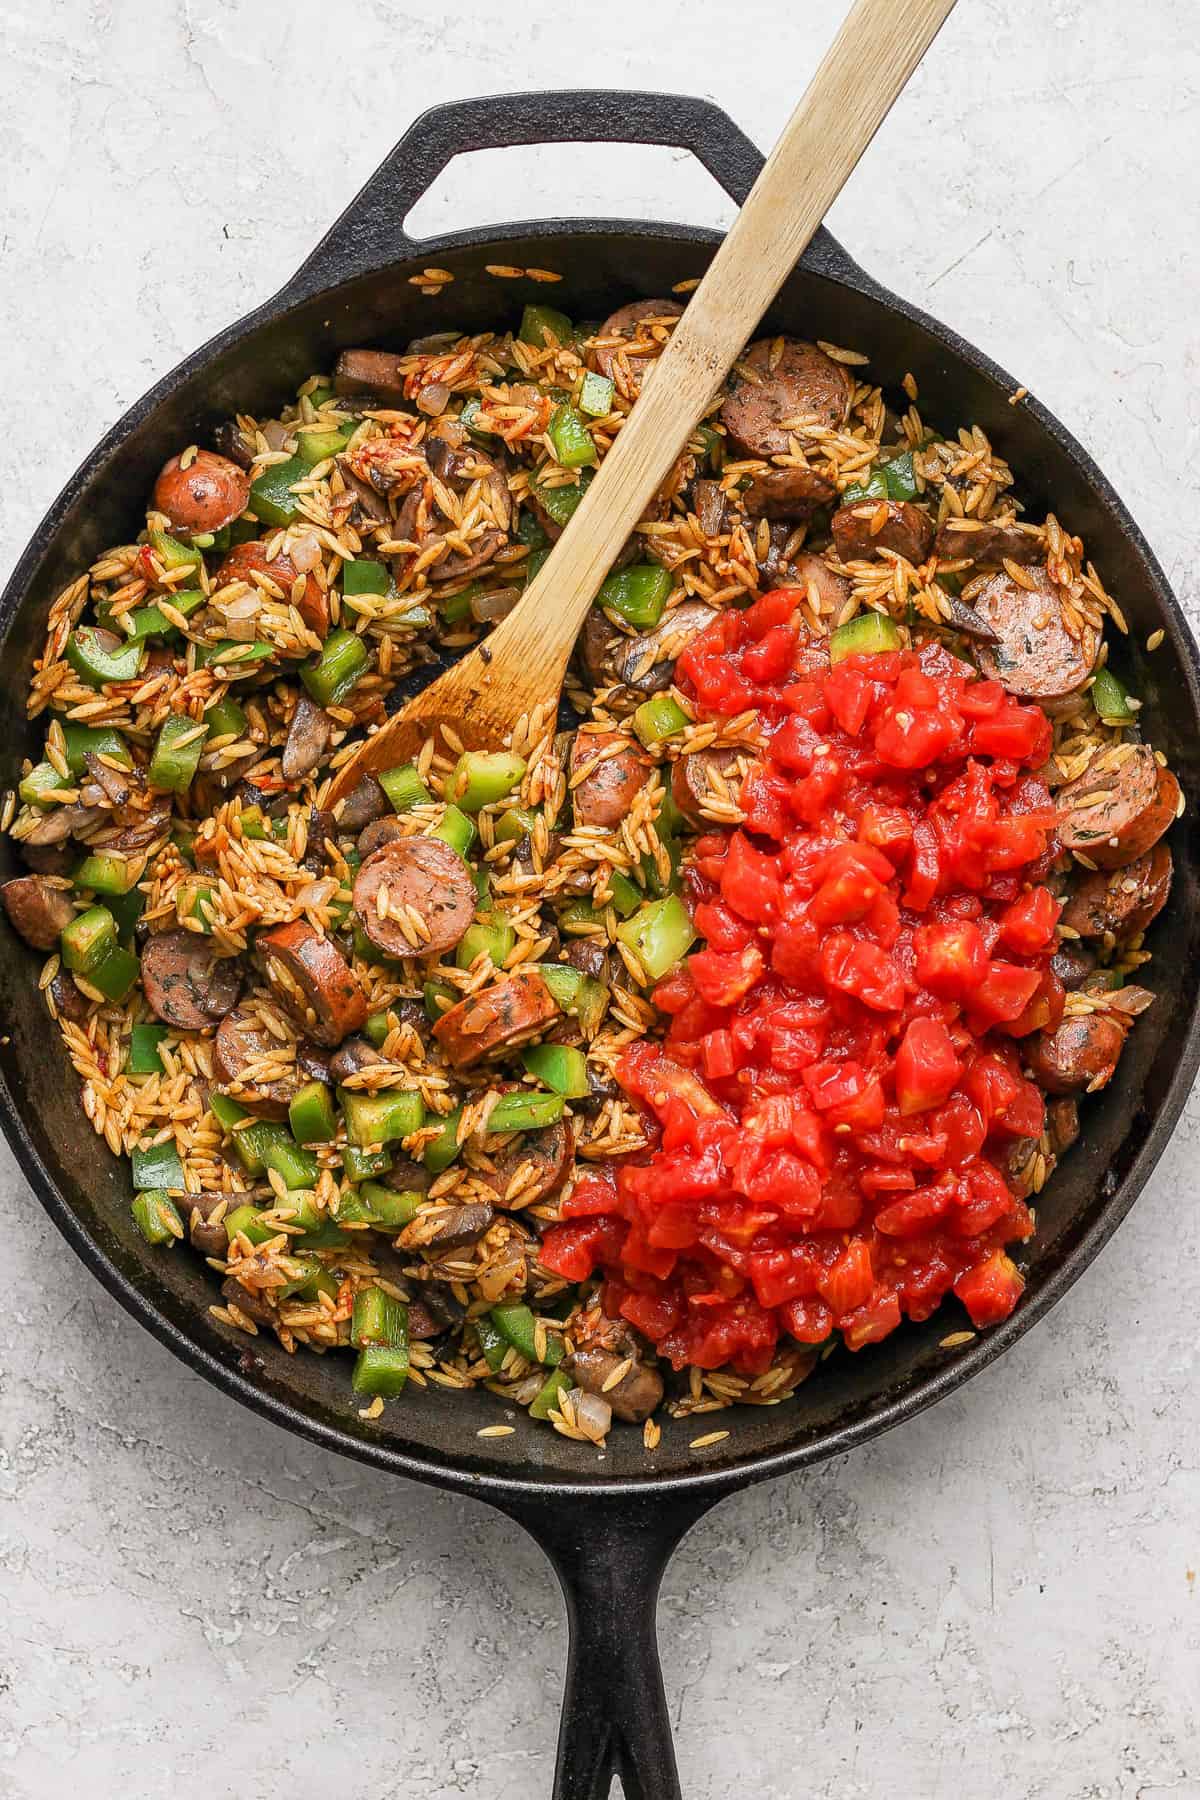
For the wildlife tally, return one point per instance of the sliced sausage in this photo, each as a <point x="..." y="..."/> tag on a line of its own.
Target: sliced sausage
<point x="1036" y="657"/>
<point x="438" y="1231"/>
<point x="69" y="1003"/>
<point x="634" y="1397"/>
<point x="1121" y="901"/>
<point x="249" y="559"/>
<point x="240" y="1041"/>
<point x="312" y="1060"/>
<point x="812" y="573"/>
<point x="778" y="381"/>
<point x="307" y="739"/>
<point x="380" y="832"/>
<point x="372" y="372"/>
<point x="789" y="493"/>
<point x="632" y="324"/>
<point x="428" y="878"/>
<point x="691" y="780"/>
<point x="188" y="985"/>
<point x="1062" y="1125"/>
<point x="210" y="493"/>
<point x="46" y="859"/>
<point x="546" y="1157"/>
<point x="647" y="662"/>
<point x="605" y="795"/>
<point x="335" y="1003"/>
<point x="362" y="805"/>
<point x="1081" y="1054"/>
<point x="598" y="639"/>
<point x="495" y="1019"/>
<point x="1072" y="963"/>
<point x="869" y="526"/>
<point x="1113" y="815"/>
<point x="989" y="541"/>
<point x="36" y="909"/>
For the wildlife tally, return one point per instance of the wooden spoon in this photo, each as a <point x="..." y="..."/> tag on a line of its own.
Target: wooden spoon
<point x="512" y="680"/>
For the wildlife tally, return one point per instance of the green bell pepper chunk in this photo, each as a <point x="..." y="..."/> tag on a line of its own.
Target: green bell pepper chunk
<point x="439" y="997"/>
<point x="534" y="563"/>
<point x="579" y="918"/>
<point x="388" y="1209"/>
<point x="456" y="830"/>
<point x="531" y="531"/>
<point x="228" y="1113"/>
<point x="230" y="660"/>
<point x="495" y="936"/>
<point x="561" y="1067"/>
<point x="900" y="478"/>
<point x="492" y="1342"/>
<point x="1110" y="698"/>
<point x="469" y="418"/>
<point x="158" y="1167"/>
<point x="106" y="874"/>
<point x="595" y="396"/>
<point x="377" y="1318"/>
<point x="514" y="824"/>
<point x="383" y="1118"/>
<point x="442" y="1150"/>
<point x="381" y="1369"/>
<point x="481" y="777"/>
<point x="313" y="446"/>
<point x="867" y="634"/>
<point x="170" y="552"/>
<point x="544" y="327"/>
<point x="177" y="754"/>
<point x="96" y="665"/>
<point x="404" y="787"/>
<point x="660" y="934"/>
<point x="151" y="622"/>
<point x="456" y="609"/>
<point x="549" y="1395"/>
<point x="376" y="1029"/>
<point x="225" y="718"/>
<point x="101" y="740"/>
<point x="41" y="780"/>
<point x="88" y="940"/>
<point x="875" y="487"/>
<point x="518" y="1325"/>
<point x="362" y="576"/>
<point x="311" y="1114"/>
<point x="271" y="499"/>
<point x="658" y="719"/>
<point x="194" y="900"/>
<point x="570" y="438"/>
<point x="312" y="1278"/>
<point x="525" y="1111"/>
<point x="626" y="895"/>
<point x="637" y="594"/>
<point x="580" y="996"/>
<point x="157" y="1217"/>
<point x="341" y="664"/>
<point x="143" y="1050"/>
<point x="361" y="1165"/>
<point x="126" y="910"/>
<point x="266" y="1145"/>
<point x="560" y="503"/>
<point x="243" y="1221"/>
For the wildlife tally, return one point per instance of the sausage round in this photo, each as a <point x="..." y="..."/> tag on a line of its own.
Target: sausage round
<point x="869" y="526"/>
<point x="297" y="956"/>
<point x="812" y="573"/>
<point x="36" y="909"/>
<point x="1079" y="1054"/>
<point x="605" y="795"/>
<point x="1035" y="657"/>
<point x="690" y="780"/>
<point x="248" y="559"/>
<point x="1062" y="1125"/>
<point x="993" y="541"/>
<point x="425" y="875"/>
<point x="1139" y="804"/>
<point x="187" y="984"/>
<point x="1072" y="963"/>
<point x="780" y="379"/>
<point x="789" y="493"/>
<point x="548" y="1154"/>
<point x="1121" y="901"/>
<point x="495" y="1019"/>
<point x="241" y="1040"/>
<point x="379" y="832"/>
<point x="210" y="493"/>
<point x="627" y="322"/>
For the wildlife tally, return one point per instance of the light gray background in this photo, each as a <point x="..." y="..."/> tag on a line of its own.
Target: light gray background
<point x="997" y="1601"/>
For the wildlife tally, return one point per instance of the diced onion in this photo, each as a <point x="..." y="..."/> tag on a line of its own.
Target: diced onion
<point x="433" y="399"/>
<point x="593" y="1414"/>
<point x="487" y="608"/>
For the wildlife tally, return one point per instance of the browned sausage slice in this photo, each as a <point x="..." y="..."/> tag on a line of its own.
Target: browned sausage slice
<point x="788" y="493"/>
<point x="497" y="1018"/>
<point x="647" y="662"/>
<point x="780" y="380"/>
<point x="239" y="1044"/>
<point x="1036" y="657"/>
<point x="379" y="832"/>
<point x="692" y="784"/>
<point x="1114" y="814"/>
<point x="989" y="541"/>
<point x="374" y="372"/>
<point x="869" y="526"/>
<point x="208" y="494"/>
<point x="812" y="573"/>
<point x="542" y="1158"/>
<point x="635" y="324"/>
<point x="606" y="793"/>
<point x="36" y="909"/>
<point x="1072" y="963"/>
<point x="1121" y="901"/>
<point x="249" y="559"/>
<point x="419" y="880"/>
<point x="632" y="1398"/>
<point x="307" y="740"/>
<point x="310" y="975"/>
<point x="1081" y="1054"/>
<point x="1062" y="1125"/>
<point x="187" y="984"/>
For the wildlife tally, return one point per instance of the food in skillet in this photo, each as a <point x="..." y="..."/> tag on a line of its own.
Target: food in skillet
<point x="635" y="1064"/>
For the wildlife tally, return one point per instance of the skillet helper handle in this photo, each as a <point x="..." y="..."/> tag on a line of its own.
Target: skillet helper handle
<point x="370" y="234"/>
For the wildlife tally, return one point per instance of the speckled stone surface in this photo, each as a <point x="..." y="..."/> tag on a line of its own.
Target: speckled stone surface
<point x="996" y="1602"/>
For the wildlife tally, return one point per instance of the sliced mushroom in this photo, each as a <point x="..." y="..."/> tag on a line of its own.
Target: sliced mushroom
<point x="307" y="740"/>
<point x="37" y="910"/>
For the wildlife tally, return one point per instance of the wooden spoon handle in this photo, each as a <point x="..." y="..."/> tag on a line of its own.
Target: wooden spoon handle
<point x="866" y="67"/>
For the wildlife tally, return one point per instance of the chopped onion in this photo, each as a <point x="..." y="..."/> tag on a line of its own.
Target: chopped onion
<point x="276" y="434"/>
<point x="593" y="1414"/>
<point x="433" y="399"/>
<point x="486" y="608"/>
<point x="304" y="551"/>
<point x="316" y="893"/>
<point x="435" y="340"/>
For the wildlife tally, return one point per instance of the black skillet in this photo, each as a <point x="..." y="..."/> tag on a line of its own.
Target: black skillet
<point x="608" y="1523"/>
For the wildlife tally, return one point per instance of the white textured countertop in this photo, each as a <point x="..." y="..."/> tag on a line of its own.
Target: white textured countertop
<point x="996" y="1601"/>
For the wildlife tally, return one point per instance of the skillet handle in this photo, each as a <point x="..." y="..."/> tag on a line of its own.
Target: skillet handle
<point x="370" y="234"/>
<point x="610" y="1558"/>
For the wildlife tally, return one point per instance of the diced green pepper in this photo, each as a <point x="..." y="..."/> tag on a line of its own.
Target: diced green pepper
<point x="177" y="754"/>
<point x="225" y="718"/>
<point x="637" y="594"/>
<point x="659" y="718"/>
<point x="660" y="934"/>
<point x="514" y="824"/>
<point x="312" y="447"/>
<point x="492" y="1342"/>
<point x="266" y="1145"/>
<point x="442" y="1150"/>
<point x="900" y="478"/>
<point x="387" y="1209"/>
<point x="361" y="1165"/>
<point x="531" y="531"/>
<point x="127" y="909"/>
<point x="382" y="1118"/>
<point x="151" y="622"/>
<point x="469" y="418"/>
<point x="101" y="740"/>
<point x="1110" y="698"/>
<point x="561" y="503"/>
<point x="157" y="1217"/>
<point x="579" y="918"/>
<point x="232" y="660"/>
<point x="376" y="1028"/>
<point x="41" y="780"/>
<point x="562" y="1067"/>
<point x="875" y="487"/>
<point x="90" y="949"/>
<point x="455" y="829"/>
<point x="549" y="1395"/>
<point x="867" y="634"/>
<point x="271" y="499"/>
<point x="143" y="1050"/>
<point x="570" y="438"/>
<point x="404" y="787"/>
<point x="341" y="664"/>
<point x="170" y="552"/>
<point x="194" y="899"/>
<point x="95" y="664"/>
<point x="525" y="1111"/>
<point x="157" y="1167"/>
<point x="108" y="874"/>
<point x="311" y="1279"/>
<point x="579" y="995"/>
<point x="517" y="1323"/>
<point x="243" y="1221"/>
<point x="439" y="997"/>
<point x="626" y="895"/>
<point x="534" y="563"/>
<point x="311" y="1114"/>
<point x="495" y="936"/>
<point x="544" y="327"/>
<point x="595" y="396"/>
<point x="480" y="778"/>
<point x="381" y="1370"/>
<point x="363" y="576"/>
<point x="377" y="1318"/>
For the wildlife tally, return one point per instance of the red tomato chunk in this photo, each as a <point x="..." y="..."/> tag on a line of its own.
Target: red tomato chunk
<point x="838" y="1085"/>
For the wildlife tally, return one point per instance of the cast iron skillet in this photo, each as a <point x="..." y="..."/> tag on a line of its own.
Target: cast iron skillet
<point x="608" y="1523"/>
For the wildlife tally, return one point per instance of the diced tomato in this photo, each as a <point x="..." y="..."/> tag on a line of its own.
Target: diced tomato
<point x="927" y="1066"/>
<point x="1027" y="926"/>
<point x="1003" y="994"/>
<point x="862" y="970"/>
<point x="809" y="1321"/>
<point x="575" y="1250"/>
<point x="951" y="958"/>
<point x="871" y="1321"/>
<point x="991" y="1289"/>
<point x="851" y="1281"/>
<point x="750" y="881"/>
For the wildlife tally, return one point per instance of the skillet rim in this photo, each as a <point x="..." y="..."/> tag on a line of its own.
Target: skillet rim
<point x="703" y="1485"/>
